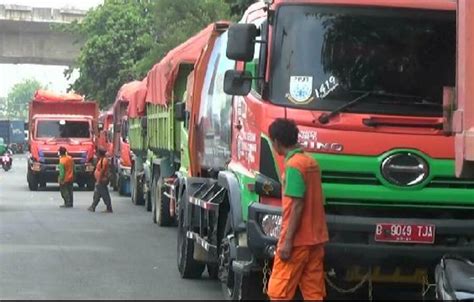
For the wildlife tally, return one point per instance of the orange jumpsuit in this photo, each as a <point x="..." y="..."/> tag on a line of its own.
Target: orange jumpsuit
<point x="305" y="266"/>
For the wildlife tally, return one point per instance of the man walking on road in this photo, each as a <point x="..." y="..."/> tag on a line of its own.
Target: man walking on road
<point x="66" y="177"/>
<point x="300" y="252"/>
<point x="102" y="180"/>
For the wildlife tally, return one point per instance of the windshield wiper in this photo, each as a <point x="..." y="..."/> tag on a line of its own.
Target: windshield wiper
<point x="326" y="117"/>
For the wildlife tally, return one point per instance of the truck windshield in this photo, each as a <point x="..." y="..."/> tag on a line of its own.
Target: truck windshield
<point x="325" y="56"/>
<point x="65" y="129"/>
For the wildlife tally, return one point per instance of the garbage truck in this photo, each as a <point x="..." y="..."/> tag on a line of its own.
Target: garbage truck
<point x="61" y="120"/>
<point x="368" y="83"/>
<point x="158" y="130"/>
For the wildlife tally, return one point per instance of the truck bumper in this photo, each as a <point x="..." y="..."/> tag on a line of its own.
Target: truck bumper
<point x="352" y="242"/>
<point x="48" y="173"/>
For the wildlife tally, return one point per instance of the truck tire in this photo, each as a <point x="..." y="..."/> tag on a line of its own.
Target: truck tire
<point x="213" y="271"/>
<point x="188" y="267"/>
<point x="136" y="189"/>
<point x="149" y="203"/>
<point x="32" y="181"/>
<point x="162" y="206"/>
<point x="122" y="185"/>
<point x="236" y="286"/>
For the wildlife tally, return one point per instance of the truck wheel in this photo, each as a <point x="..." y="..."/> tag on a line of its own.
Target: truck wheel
<point x="32" y="181"/>
<point x="136" y="189"/>
<point x="149" y="204"/>
<point x="236" y="286"/>
<point x="188" y="267"/>
<point x="162" y="206"/>
<point x="213" y="271"/>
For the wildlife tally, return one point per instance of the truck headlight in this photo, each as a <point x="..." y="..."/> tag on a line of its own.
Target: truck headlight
<point x="271" y="225"/>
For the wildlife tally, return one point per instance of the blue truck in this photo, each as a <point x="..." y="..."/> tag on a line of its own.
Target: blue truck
<point x="13" y="134"/>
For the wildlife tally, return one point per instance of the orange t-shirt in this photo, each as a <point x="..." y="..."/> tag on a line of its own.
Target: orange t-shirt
<point x="68" y="164"/>
<point x="303" y="180"/>
<point x="101" y="170"/>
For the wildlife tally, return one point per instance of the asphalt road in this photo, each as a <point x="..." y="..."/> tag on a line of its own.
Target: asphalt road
<point x="52" y="253"/>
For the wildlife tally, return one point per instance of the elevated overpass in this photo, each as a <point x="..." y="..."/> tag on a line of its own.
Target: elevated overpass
<point x="27" y="37"/>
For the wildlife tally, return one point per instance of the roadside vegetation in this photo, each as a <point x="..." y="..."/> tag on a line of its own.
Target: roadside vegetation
<point x="123" y="39"/>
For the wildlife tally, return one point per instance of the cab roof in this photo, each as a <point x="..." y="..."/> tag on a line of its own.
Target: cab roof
<point x="420" y="4"/>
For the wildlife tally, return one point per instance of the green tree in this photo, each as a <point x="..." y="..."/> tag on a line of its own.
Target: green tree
<point x="123" y="39"/>
<point x="19" y="97"/>
<point x="176" y="21"/>
<point x="117" y="35"/>
<point x="238" y="7"/>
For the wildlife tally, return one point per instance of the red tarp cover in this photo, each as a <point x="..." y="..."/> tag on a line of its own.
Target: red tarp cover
<point x="125" y="93"/>
<point x="51" y="96"/>
<point x="137" y="104"/>
<point x="162" y="76"/>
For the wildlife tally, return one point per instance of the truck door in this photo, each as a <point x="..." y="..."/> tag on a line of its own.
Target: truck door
<point x="464" y="115"/>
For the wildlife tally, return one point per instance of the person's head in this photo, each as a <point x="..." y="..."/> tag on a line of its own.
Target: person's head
<point x="284" y="135"/>
<point x="101" y="152"/>
<point x="62" y="151"/>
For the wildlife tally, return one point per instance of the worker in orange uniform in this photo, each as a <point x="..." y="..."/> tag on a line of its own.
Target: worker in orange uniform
<point x="66" y="177"/>
<point x="300" y="252"/>
<point x="102" y="180"/>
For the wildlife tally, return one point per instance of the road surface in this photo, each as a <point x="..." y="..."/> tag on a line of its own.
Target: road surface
<point x="52" y="253"/>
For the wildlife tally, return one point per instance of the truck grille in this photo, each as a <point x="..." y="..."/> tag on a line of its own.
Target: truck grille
<point x="370" y="179"/>
<point x="51" y="158"/>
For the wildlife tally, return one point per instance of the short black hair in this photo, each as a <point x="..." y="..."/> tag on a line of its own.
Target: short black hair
<point x="62" y="150"/>
<point x="284" y="131"/>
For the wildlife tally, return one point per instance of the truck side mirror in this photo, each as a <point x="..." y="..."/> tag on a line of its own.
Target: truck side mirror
<point x="241" y="42"/>
<point x="237" y="82"/>
<point x="180" y="111"/>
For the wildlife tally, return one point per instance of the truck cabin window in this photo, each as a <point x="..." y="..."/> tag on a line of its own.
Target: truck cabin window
<point x="63" y="129"/>
<point x="325" y="56"/>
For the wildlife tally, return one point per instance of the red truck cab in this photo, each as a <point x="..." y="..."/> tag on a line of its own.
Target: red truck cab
<point x="56" y="121"/>
<point x="365" y="81"/>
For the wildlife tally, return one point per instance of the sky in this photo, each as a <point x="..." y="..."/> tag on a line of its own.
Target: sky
<point x="52" y="76"/>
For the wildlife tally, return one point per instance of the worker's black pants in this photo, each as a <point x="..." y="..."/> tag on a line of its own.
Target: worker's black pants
<point x="101" y="191"/>
<point x="67" y="193"/>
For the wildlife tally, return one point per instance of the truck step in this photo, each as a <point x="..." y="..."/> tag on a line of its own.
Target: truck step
<point x="210" y="248"/>
<point x="206" y="205"/>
